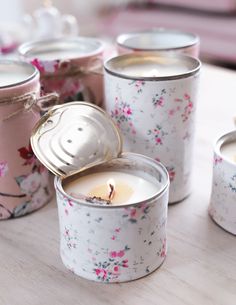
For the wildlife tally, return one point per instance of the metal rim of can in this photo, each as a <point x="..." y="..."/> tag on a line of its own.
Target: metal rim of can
<point x="196" y="65"/>
<point x="27" y="48"/>
<point x="31" y="76"/>
<point x="58" y="185"/>
<point x="223" y="139"/>
<point x="121" y="39"/>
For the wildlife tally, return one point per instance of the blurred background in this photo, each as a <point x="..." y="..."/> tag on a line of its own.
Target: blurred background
<point x="213" y="20"/>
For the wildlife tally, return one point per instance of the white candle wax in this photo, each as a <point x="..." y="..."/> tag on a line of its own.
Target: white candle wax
<point x="152" y="70"/>
<point x="129" y="188"/>
<point x="58" y="54"/>
<point x="228" y="150"/>
<point x="12" y="73"/>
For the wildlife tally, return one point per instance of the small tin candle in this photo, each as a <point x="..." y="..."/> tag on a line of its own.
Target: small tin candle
<point x="68" y="66"/>
<point x="112" y="206"/>
<point x="223" y="196"/>
<point x="23" y="180"/>
<point x="159" y="40"/>
<point x="153" y="99"/>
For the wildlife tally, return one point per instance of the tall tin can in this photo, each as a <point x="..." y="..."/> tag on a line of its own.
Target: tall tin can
<point x="160" y="41"/>
<point x="99" y="240"/>
<point x="23" y="180"/>
<point x="153" y="101"/>
<point x="222" y="207"/>
<point x="70" y="67"/>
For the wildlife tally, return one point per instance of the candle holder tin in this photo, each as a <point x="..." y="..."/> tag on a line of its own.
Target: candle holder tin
<point x="23" y="180"/>
<point x="159" y="40"/>
<point x="69" y="66"/>
<point x="156" y="114"/>
<point x="100" y="242"/>
<point x="222" y="207"/>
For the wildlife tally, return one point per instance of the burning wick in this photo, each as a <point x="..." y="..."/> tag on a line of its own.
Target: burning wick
<point x="111" y="189"/>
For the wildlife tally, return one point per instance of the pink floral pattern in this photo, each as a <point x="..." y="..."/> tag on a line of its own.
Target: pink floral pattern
<point x="112" y="267"/>
<point x="122" y="113"/>
<point x="157" y="134"/>
<point x="158" y="99"/>
<point x="138" y="84"/>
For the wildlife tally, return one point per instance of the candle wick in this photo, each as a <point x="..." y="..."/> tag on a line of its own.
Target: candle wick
<point x="112" y="191"/>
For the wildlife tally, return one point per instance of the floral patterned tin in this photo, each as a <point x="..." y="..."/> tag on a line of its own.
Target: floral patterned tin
<point x="159" y="40"/>
<point x="69" y="66"/>
<point x="23" y="180"/>
<point x="102" y="242"/>
<point x="222" y="207"/>
<point x="152" y="99"/>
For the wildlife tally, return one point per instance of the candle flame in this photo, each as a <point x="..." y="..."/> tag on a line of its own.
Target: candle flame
<point x="111" y="189"/>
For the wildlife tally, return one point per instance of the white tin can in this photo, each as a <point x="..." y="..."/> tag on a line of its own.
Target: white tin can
<point x="159" y="40"/>
<point x="153" y="100"/>
<point x="99" y="239"/>
<point x="222" y="207"/>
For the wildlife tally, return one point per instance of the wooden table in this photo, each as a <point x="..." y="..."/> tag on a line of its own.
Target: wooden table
<point x="200" y="268"/>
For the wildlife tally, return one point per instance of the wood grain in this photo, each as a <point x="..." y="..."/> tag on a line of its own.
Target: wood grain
<point x="201" y="264"/>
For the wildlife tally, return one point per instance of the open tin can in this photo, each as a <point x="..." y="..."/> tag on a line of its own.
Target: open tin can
<point x="23" y="180"/>
<point x="99" y="240"/>
<point x="69" y="66"/>
<point x="222" y="207"/>
<point x="159" y="41"/>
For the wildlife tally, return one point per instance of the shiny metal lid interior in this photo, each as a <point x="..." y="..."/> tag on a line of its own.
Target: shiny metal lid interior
<point x="157" y="39"/>
<point x="15" y="73"/>
<point x="75" y="136"/>
<point x="177" y="66"/>
<point x="68" y="48"/>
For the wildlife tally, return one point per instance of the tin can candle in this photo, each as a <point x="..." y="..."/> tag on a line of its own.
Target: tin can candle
<point x="68" y="66"/>
<point x="112" y="206"/>
<point x="23" y="180"/>
<point x="152" y="99"/>
<point x="222" y="207"/>
<point x="159" y="40"/>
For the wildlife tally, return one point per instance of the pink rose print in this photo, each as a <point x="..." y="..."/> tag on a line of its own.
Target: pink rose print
<point x="163" y="250"/>
<point x="184" y="105"/>
<point x="217" y="160"/>
<point x="134" y="214"/>
<point x="3" y="168"/>
<point x="112" y="267"/>
<point x="27" y="154"/>
<point x="138" y="84"/>
<point x="122" y="113"/>
<point x="157" y="134"/>
<point x="158" y="99"/>
<point x="171" y="172"/>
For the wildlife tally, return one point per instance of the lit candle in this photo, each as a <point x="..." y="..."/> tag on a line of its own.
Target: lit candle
<point x="228" y="150"/>
<point x="116" y="188"/>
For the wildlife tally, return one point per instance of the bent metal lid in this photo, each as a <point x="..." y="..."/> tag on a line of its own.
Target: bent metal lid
<point x="75" y="136"/>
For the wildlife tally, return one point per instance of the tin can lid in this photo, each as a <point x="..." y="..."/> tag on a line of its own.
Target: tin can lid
<point x="75" y="136"/>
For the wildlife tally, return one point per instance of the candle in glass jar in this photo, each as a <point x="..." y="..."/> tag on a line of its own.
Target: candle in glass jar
<point x="118" y="188"/>
<point x="228" y="150"/>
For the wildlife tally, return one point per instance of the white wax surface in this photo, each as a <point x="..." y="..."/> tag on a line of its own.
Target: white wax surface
<point x="158" y="40"/>
<point x="152" y="70"/>
<point x="228" y="150"/>
<point x="142" y="189"/>
<point x="12" y="73"/>
<point x="58" y="54"/>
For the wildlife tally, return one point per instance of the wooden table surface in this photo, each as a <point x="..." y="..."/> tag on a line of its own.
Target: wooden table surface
<point x="200" y="268"/>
